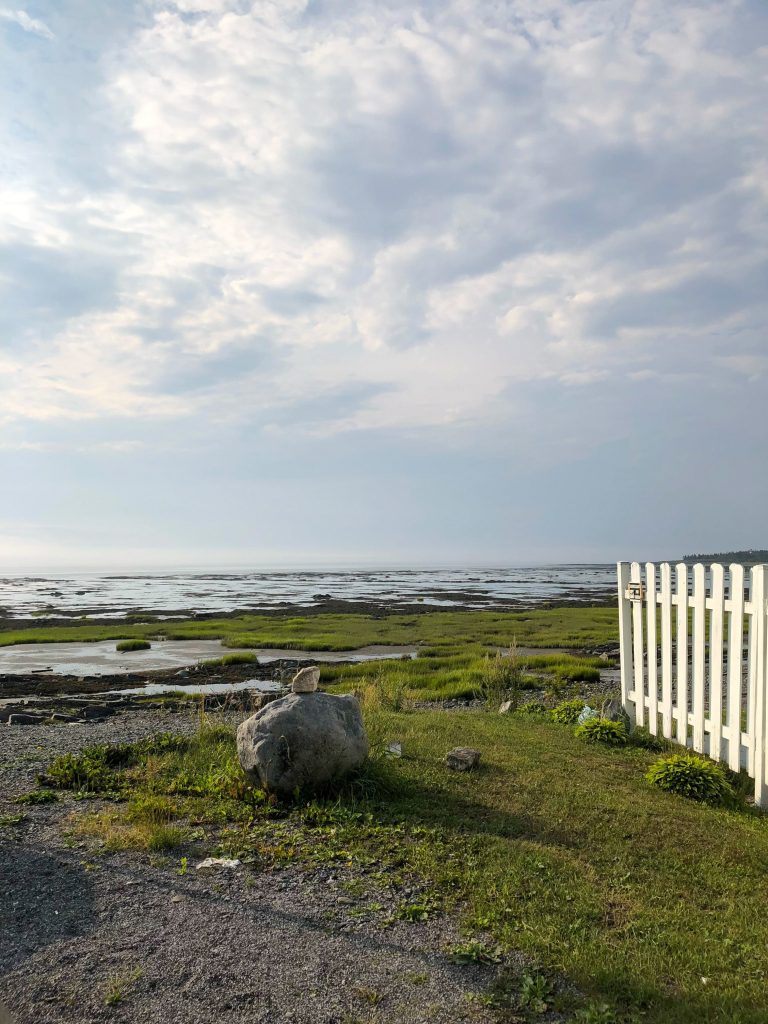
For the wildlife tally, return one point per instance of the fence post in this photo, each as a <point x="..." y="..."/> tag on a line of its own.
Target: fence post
<point x="638" y="646"/>
<point x="760" y="679"/>
<point x="625" y="640"/>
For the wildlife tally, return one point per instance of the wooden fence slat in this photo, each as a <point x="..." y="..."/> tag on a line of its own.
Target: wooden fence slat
<point x="681" y="572"/>
<point x="761" y="671"/>
<point x="666" y="650"/>
<point x="716" y="663"/>
<point x="735" y="648"/>
<point x="638" y="648"/>
<point x="699" y="654"/>
<point x="653" y="673"/>
<point x="625" y="640"/>
<point x="751" y="676"/>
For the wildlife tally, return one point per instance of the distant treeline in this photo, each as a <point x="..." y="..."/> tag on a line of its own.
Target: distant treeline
<point x="753" y="555"/>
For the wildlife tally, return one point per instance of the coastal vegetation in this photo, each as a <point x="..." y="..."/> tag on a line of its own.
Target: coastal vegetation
<point x="133" y="645"/>
<point x="574" y="626"/>
<point x="615" y="890"/>
<point x="465" y="672"/>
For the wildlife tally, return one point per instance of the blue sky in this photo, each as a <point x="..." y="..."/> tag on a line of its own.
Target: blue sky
<point x="331" y="281"/>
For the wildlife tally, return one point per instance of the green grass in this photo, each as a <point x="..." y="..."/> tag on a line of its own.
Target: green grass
<point x="434" y="675"/>
<point x="236" y="658"/>
<point x="542" y="627"/>
<point x="133" y="645"/>
<point x="556" y="848"/>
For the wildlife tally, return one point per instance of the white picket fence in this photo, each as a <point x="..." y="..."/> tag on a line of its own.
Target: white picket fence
<point x="694" y="659"/>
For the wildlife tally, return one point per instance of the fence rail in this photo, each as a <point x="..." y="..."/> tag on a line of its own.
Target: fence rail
<point x="694" y="659"/>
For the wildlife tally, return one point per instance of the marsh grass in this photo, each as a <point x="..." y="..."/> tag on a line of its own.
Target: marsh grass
<point x="474" y="673"/>
<point x="542" y="627"/>
<point x="133" y="645"/>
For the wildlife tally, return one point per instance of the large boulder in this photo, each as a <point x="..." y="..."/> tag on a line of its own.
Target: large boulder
<point x="302" y="741"/>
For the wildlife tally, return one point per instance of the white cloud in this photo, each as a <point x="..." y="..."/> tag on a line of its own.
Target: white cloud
<point x="23" y="20"/>
<point x="439" y="200"/>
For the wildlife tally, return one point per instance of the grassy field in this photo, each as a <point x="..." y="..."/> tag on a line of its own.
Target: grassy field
<point x="655" y="908"/>
<point x="544" y="627"/>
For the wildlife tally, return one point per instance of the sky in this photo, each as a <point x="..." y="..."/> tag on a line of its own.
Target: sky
<point x="340" y="281"/>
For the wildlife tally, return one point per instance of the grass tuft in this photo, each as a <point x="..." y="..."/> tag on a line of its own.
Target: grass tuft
<point x="133" y="645"/>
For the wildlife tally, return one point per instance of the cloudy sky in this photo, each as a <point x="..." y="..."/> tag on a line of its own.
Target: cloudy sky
<point x="370" y="280"/>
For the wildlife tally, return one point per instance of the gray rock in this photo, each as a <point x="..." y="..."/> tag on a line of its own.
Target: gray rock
<point x="613" y="710"/>
<point x="462" y="759"/>
<point x="302" y="741"/>
<point x="21" y="719"/>
<point x="96" y="711"/>
<point x="506" y="708"/>
<point x="306" y="680"/>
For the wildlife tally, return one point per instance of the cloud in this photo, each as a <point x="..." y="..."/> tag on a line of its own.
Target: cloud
<point x="417" y="206"/>
<point x="23" y="20"/>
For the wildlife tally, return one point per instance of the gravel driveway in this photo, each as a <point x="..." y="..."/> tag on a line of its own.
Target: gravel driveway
<point x="113" y="938"/>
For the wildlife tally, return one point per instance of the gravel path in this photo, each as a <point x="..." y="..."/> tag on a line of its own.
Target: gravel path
<point x="286" y="945"/>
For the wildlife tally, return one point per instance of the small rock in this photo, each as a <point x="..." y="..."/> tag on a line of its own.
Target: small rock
<point x="614" y="711"/>
<point x="96" y="711"/>
<point x="462" y="759"/>
<point x="306" y="680"/>
<point x="506" y="708"/>
<point x="22" y="719"/>
<point x="395" y="749"/>
<point x="210" y="863"/>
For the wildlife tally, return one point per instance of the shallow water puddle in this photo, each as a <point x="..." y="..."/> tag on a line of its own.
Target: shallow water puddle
<point x="101" y="657"/>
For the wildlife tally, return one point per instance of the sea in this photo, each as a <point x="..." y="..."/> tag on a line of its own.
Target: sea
<point x="170" y="593"/>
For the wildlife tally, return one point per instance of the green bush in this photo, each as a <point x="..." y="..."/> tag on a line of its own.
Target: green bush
<point x="532" y="707"/>
<point x="693" y="777"/>
<point x="568" y="712"/>
<point x="602" y="730"/>
<point x="133" y="645"/>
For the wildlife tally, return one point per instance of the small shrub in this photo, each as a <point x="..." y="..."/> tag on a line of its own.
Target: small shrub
<point x="568" y="712"/>
<point x="693" y="777"/>
<point x="133" y="645"/>
<point x="532" y="708"/>
<point x="535" y="993"/>
<point x="602" y="730"/>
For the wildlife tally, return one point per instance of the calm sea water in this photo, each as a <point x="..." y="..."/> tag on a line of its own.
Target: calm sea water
<point x="172" y="592"/>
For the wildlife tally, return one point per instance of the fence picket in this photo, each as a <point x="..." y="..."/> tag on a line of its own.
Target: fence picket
<point x="682" y="653"/>
<point x="666" y="650"/>
<point x="735" y="658"/>
<point x="715" y="680"/>
<point x="653" y="672"/>
<point x="637" y="651"/>
<point x="699" y="654"/>
<point x="760" y="617"/>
